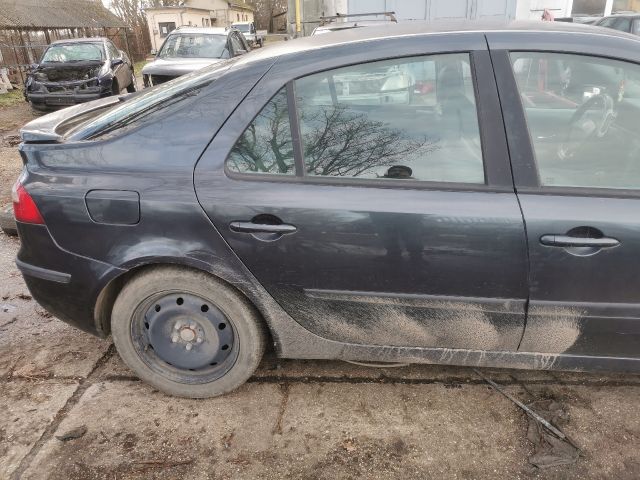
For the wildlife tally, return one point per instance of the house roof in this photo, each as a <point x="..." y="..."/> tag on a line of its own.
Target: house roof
<point x="241" y="6"/>
<point x="56" y="14"/>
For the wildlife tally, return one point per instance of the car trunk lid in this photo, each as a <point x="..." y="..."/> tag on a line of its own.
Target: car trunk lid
<point x="52" y="127"/>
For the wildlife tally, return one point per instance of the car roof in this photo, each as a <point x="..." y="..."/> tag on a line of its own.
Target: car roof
<point x="623" y="15"/>
<point x="204" y="30"/>
<point x="80" y="40"/>
<point x="419" y="28"/>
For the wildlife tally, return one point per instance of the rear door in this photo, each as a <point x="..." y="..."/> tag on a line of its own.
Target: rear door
<point x="370" y="193"/>
<point x="577" y="173"/>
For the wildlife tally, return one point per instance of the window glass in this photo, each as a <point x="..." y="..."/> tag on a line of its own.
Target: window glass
<point x="266" y="146"/>
<point x="74" y="52"/>
<point x="582" y="114"/>
<point x="623" y="24"/>
<point x="636" y="27"/>
<point x="165" y="28"/>
<point x="607" y="22"/>
<point x="412" y="118"/>
<point x="193" y="45"/>
<point x="113" y="51"/>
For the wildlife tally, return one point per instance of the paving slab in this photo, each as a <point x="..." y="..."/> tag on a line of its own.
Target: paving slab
<point x="604" y="422"/>
<point x="32" y="342"/>
<point x="135" y="432"/>
<point x="296" y="431"/>
<point x="37" y="347"/>
<point x="27" y="408"/>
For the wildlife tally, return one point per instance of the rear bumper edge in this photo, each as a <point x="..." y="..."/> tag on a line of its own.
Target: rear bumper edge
<point x="43" y="273"/>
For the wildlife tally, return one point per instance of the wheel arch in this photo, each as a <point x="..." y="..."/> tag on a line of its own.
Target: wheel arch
<point x="108" y="294"/>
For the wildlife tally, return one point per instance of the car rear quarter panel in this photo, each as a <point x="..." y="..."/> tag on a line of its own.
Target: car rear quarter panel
<point x="156" y="160"/>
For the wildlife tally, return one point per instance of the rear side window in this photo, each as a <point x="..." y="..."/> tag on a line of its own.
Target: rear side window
<point x="582" y="113"/>
<point x="266" y="145"/>
<point x="411" y="118"/>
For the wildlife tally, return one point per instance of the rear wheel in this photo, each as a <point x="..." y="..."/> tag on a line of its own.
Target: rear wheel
<point x="186" y="332"/>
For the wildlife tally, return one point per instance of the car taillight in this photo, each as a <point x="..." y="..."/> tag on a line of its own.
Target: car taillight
<point x="24" y="208"/>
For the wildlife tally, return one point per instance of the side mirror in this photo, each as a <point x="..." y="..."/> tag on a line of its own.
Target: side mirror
<point x="239" y="52"/>
<point x="116" y="61"/>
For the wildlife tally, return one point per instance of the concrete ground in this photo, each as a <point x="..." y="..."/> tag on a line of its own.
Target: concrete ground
<point x="71" y="410"/>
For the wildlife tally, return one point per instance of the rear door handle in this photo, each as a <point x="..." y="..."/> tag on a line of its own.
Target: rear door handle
<point x="250" y="227"/>
<point x="567" y="241"/>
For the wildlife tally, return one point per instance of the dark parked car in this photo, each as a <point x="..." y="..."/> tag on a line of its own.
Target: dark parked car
<point x="78" y="70"/>
<point x="188" y="49"/>
<point x="385" y="194"/>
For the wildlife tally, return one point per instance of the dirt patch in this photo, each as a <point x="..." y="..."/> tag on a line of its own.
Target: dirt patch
<point x="433" y="324"/>
<point x="12" y="118"/>
<point x="551" y="329"/>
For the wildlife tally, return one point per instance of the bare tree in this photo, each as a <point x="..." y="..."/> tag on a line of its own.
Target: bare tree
<point x="265" y="10"/>
<point x="161" y="3"/>
<point x="130" y="11"/>
<point x="338" y="141"/>
<point x="266" y="145"/>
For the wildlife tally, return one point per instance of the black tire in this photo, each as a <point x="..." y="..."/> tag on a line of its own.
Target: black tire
<point x="7" y="221"/>
<point x="132" y="85"/>
<point x="135" y="329"/>
<point x="115" y="87"/>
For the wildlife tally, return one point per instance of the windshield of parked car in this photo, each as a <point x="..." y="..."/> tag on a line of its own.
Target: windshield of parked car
<point x="243" y="27"/>
<point x="193" y="45"/>
<point x="74" y="52"/>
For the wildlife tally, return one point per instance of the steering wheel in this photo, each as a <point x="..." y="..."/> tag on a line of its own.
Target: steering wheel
<point x="595" y="126"/>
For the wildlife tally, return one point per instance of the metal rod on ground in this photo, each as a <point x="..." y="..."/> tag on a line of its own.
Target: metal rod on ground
<point x="527" y="410"/>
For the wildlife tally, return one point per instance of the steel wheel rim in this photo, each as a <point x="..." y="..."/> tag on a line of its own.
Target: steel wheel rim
<point x="184" y="337"/>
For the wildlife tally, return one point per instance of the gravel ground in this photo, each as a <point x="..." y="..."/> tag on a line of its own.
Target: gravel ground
<point x="11" y="119"/>
<point x="293" y="419"/>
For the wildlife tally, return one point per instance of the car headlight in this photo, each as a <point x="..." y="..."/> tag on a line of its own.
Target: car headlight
<point x="40" y="77"/>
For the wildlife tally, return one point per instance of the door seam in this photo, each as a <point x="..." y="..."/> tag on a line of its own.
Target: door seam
<point x="515" y="191"/>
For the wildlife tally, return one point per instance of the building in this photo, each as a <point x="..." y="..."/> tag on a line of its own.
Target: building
<point x="195" y="13"/>
<point x="28" y="26"/>
<point x="310" y="11"/>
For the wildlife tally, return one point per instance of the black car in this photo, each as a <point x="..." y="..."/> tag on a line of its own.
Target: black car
<point x="76" y="71"/>
<point x="396" y="194"/>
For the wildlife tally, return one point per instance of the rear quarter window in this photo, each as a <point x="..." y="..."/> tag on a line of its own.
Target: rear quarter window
<point x="140" y="106"/>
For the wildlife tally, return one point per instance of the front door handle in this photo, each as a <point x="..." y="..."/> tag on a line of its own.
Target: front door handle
<point x="250" y="227"/>
<point x="552" y="240"/>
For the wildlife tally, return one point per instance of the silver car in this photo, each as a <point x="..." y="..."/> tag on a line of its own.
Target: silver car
<point x="188" y="49"/>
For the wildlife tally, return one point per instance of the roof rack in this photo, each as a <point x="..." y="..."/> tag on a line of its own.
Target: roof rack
<point x="332" y="18"/>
